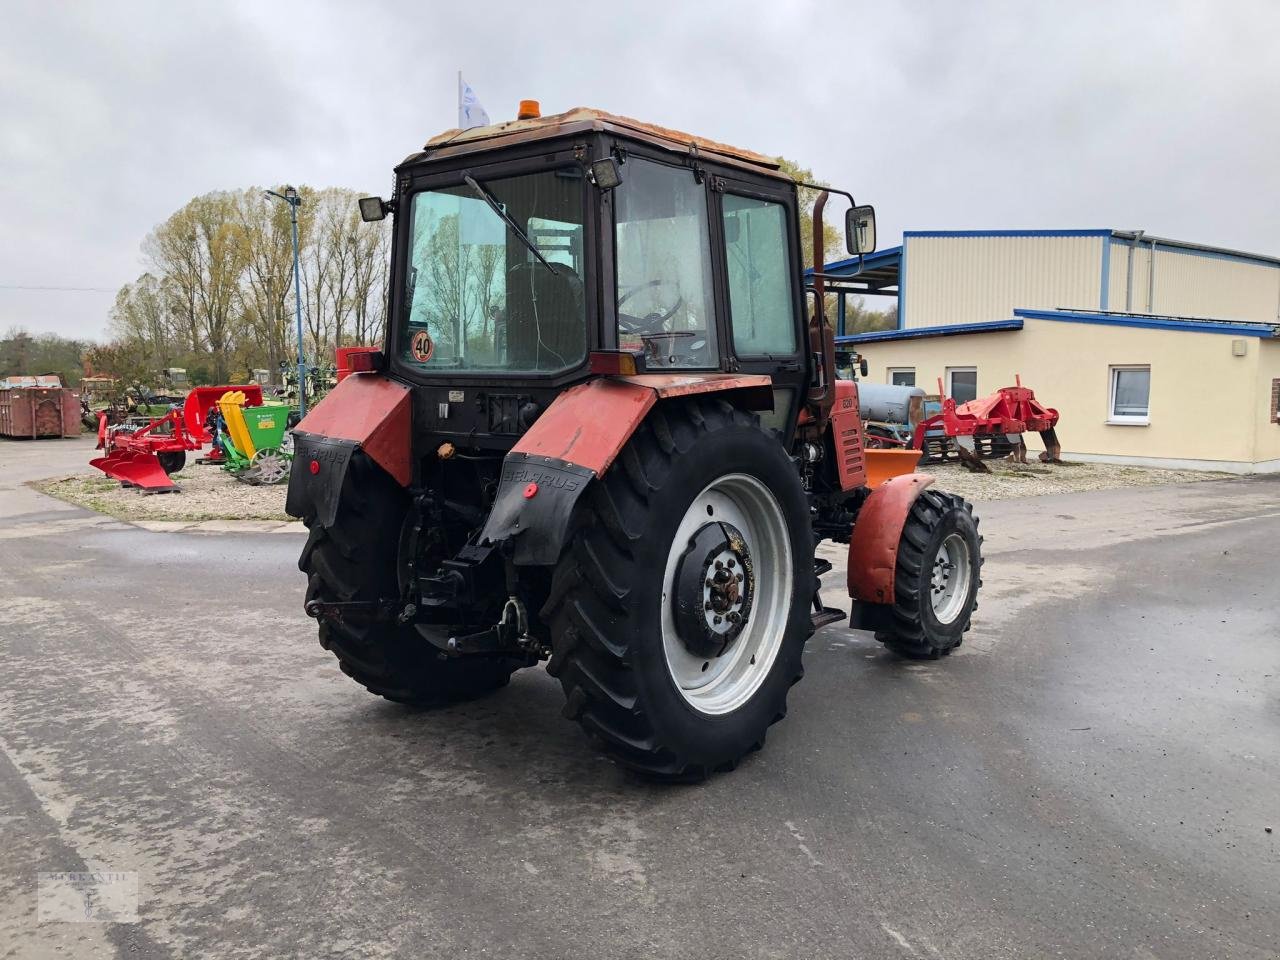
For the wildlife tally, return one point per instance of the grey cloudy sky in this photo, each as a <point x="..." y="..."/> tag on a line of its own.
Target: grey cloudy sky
<point x="1161" y="116"/>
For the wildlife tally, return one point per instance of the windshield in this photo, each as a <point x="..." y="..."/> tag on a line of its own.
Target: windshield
<point x="476" y="297"/>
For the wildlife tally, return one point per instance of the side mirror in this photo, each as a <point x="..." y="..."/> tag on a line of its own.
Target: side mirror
<point x="860" y="230"/>
<point x="372" y="209"/>
<point x="863" y="368"/>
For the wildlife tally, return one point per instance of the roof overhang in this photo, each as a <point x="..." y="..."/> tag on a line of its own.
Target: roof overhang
<point x="1232" y="328"/>
<point x="921" y="333"/>
<point x="876" y="274"/>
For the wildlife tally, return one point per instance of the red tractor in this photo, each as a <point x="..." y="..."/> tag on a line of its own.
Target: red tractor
<point x="605" y="430"/>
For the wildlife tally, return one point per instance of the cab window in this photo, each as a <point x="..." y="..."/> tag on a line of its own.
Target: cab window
<point x="761" y="296"/>
<point x="476" y="299"/>
<point x="663" y="253"/>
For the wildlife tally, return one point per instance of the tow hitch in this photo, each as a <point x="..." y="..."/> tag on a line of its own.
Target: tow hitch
<point x="511" y="632"/>
<point x="508" y="635"/>
<point x="362" y="611"/>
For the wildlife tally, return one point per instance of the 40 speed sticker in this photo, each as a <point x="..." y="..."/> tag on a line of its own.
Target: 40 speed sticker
<point x="421" y="347"/>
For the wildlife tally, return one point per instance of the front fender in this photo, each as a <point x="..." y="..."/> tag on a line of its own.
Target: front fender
<point x="873" y="545"/>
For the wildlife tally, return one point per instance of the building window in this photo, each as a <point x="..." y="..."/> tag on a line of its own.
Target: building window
<point x="962" y="384"/>
<point x="1130" y="395"/>
<point x="902" y="376"/>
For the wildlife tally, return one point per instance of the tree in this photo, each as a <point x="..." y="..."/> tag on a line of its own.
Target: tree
<point x="141" y="316"/>
<point x="16" y="353"/>
<point x="119" y="359"/>
<point x="268" y="277"/>
<point x="832" y="239"/>
<point x="21" y="354"/>
<point x="858" y="319"/>
<point x="369" y="290"/>
<point x="176" y="256"/>
<point x="220" y="292"/>
<point x="225" y="254"/>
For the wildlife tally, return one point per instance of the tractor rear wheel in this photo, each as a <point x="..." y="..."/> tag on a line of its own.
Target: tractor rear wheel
<point x="357" y="559"/>
<point x="936" y="580"/>
<point x="680" y="609"/>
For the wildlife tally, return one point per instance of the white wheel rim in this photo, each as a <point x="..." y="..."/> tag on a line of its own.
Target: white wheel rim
<point x="949" y="580"/>
<point x="722" y="684"/>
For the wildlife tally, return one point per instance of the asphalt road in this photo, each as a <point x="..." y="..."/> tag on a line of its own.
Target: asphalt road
<point x="1091" y="775"/>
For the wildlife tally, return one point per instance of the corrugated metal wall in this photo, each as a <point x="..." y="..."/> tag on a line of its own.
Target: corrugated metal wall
<point x="952" y="280"/>
<point x="1192" y="284"/>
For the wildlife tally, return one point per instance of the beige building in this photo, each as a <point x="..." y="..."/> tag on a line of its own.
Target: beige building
<point x="1154" y="351"/>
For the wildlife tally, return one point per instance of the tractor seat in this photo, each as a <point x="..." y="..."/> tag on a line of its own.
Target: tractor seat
<point x="545" y="325"/>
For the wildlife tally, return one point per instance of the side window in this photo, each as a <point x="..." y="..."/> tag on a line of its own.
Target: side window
<point x="902" y="376"/>
<point x="663" y="256"/>
<point x="761" y="296"/>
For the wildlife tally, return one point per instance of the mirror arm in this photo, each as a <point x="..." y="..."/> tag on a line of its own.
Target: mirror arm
<point x="820" y="338"/>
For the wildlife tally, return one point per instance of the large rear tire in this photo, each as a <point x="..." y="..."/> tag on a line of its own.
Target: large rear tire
<point x="357" y="559"/>
<point x="936" y="580"/>
<point x="657" y="670"/>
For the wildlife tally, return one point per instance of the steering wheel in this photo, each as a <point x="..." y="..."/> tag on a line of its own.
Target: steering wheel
<point x="652" y="322"/>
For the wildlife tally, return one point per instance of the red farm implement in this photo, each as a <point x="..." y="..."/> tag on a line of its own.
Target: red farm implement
<point x="145" y="456"/>
<point x="1004" y="415"/>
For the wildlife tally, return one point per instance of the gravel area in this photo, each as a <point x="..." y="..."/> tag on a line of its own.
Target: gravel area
<point x="1009" y="480"/>
<point x="209" y="493"/>
<point x="206" y="493"/>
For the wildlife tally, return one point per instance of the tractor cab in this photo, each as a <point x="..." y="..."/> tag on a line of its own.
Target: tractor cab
<point x="537" y="253"/>
<point x="603" y="432"/>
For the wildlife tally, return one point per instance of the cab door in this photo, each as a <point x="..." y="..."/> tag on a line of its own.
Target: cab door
<point x="764" y="306"/>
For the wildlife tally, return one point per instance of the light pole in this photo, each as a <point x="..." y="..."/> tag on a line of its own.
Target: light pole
<point x="290" y="196"/>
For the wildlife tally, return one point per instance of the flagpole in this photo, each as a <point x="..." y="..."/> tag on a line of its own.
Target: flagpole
<point x="459" y="99"/>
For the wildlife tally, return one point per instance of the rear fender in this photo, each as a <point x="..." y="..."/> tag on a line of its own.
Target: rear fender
<point x="873" y="545"/>
<point x="366" y="411"/>
<point x="575" y="441"/>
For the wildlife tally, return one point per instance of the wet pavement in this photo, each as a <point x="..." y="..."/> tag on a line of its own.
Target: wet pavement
<point x="1091" y="775"/>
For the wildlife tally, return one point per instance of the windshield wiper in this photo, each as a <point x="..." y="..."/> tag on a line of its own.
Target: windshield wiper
<point x="482" y="192"/>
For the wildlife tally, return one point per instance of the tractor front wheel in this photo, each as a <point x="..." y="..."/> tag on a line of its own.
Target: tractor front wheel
<point x="936" y="580"/>
<point x="680" y="610"/>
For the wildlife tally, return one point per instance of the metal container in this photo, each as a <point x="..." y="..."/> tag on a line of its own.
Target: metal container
<point x="888" y="403"/>
<point x="39" y="410"/>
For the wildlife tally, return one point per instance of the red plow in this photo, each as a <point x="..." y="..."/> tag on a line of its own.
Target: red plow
<point x="145" y="456"/>
<point x="1007" y="413"/>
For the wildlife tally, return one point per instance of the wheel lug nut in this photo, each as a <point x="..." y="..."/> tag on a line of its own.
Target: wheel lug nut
<point x="730" y="563"/>
<point x="716" y="620"/>
<point x="708" y="605"/>
<point x="739" y="578"/>
<point x="719" y="565"/>
<point x="710" y="582"/>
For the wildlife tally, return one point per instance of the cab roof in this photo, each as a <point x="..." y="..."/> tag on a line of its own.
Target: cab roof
<point x="587" y="119"/>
